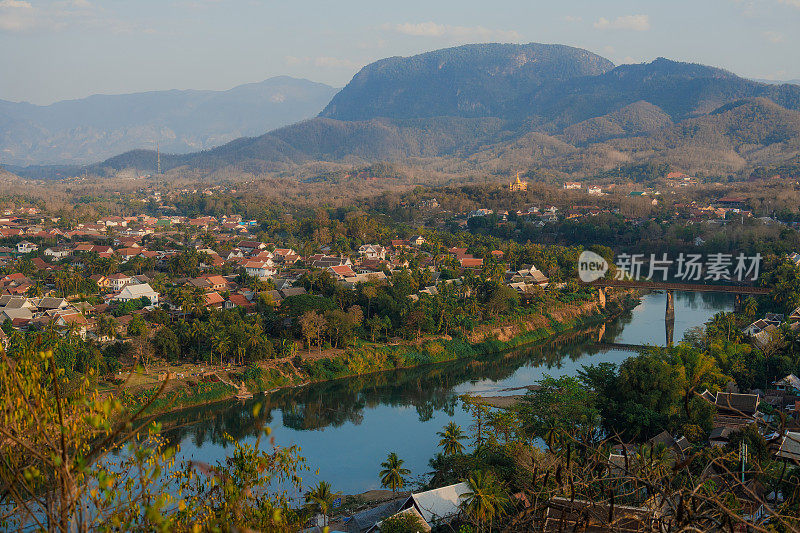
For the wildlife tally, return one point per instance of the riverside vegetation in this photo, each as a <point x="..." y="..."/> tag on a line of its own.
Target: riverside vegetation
<point x="80" y="450"/>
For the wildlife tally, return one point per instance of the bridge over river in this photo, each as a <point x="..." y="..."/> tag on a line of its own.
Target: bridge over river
<point x="669" y="288"/>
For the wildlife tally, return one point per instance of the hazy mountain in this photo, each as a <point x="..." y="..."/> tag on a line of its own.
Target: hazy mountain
<point x="93" y="128"/>
<point x="477" y="80"/>
<point x="499" y="107"/>
<point x="778" y="82"/>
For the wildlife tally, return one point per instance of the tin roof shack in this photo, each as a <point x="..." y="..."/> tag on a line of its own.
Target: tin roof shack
<point x="735" y="410"/>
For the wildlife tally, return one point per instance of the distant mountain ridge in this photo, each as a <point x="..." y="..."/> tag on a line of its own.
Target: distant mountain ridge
<point x="479" y="80"/>
<point x="93" y="128"/>
<point x="497" y="107"/>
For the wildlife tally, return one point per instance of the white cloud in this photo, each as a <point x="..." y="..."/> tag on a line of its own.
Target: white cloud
<point x="793" y="3"/>
<point x="432" y="29"/>
<point x="16" y="15"/>
<point x="626" y="22"/>
<point x="573" y="19"/>
<point x="774" y="36"/>
<point x="322" y="61"/>
<point x="21" y="15"/>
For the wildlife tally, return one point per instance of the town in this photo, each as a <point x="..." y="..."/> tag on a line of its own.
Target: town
<point x="232" y="306"/>
<point x="422" y="267"/>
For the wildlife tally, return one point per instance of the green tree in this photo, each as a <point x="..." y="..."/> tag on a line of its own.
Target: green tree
<point x="563" y="405"/>
<point x="402" y="523"/>
<point x="320" y="499"/>
<point x="392" y="472"/>
<point x="451" y="438"/>
<point x="485" y="500"/>
<point x="166" y="344"/>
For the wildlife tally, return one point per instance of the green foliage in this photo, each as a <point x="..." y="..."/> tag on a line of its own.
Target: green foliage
<point x="402" y="523"/>
<point x="558" y="405"/>
<point x="393" y="473"/>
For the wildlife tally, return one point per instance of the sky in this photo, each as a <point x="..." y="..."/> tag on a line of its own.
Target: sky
<point x="62" y="49"/>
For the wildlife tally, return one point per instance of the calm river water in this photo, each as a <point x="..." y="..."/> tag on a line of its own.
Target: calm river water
<point x="346" y="428"/>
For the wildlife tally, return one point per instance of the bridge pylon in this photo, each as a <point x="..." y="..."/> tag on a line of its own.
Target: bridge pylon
<point x="669" y="318"/>
<point x="670" y="312"/>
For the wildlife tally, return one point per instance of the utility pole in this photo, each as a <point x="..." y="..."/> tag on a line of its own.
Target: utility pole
<point x="743" y="456"/>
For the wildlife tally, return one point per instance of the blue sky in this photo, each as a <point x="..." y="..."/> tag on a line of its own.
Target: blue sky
<point x="58" y="49"/>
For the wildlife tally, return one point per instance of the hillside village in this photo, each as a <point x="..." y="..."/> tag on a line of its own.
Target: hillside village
<point x="128" y="285"/>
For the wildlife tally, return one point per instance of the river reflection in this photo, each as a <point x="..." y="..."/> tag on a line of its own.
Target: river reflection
<point x="345" y="428"/>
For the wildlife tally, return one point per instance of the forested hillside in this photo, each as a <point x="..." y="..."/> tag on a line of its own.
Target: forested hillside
<point x="495" y="108"/>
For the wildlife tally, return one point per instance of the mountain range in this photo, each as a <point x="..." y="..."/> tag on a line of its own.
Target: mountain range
<point x="100" y="126"/>
<point x="498" y="107"/>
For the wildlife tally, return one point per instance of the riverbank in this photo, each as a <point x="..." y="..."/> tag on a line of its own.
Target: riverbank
<point x="531" y="327"/>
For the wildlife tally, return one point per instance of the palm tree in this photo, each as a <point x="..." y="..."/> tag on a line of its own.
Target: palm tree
<point x="750" y="308"/>
<point x="106" y="326"/>
<point x="221" y="342"/>
<point x="451" y="438"/>
<point x="485" y="499"/>
<point x="320" y="499"/>
<point x="254" y="332"/>
<point x="393" y="472"/>
<point x="198" y="331"/>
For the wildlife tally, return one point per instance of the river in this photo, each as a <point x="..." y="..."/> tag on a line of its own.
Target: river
<point x="345" y="428"/>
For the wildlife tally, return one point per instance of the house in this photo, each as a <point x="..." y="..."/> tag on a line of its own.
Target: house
<point x="134" y="292"/>
<point x="218" y="283"/>
<point x="594" y="190"/>
<point x="341" y="272"/>
<point x="365" y="277"/>
<point x="438" y="506"/>
<point x="570" y="185"/>
<point x="199" y="283"/>
<point x="259" y="269"/>
<point x="213" y="299"/>
<point x="471" y="262"/>
<point x="720" y="436"/>
<point x="789" y="448"/>
<point x="369" y="519"/>
<point x="417" y="240"/>
<point x="57" y="252"/>
<point x="284" y="252"/>
<point x="480" y="213"/>
<point x="372" y="251"/>
<point x="239" y="300"/>
<point x="117" y="281"/>
<point x="47" y="303"/>
<point x="126" y="254"/>
<point x="560" y="514"/>
<point x="15" y="313"/>
<point x="423" y="528"/>
<point x="770" y="319"/>
<point x="72" y="319"/>
<point x="764" y="337"/>
<point x="8" y="301"/>
<point x="251" y="246"/>
<point x="325" y="261"/>
<point x="735" y="410"/>
<point x="790" y="384"/>
<point x="26" y="247"/>
<point x="41" y="264"/>
<point x="292" y="291"/>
